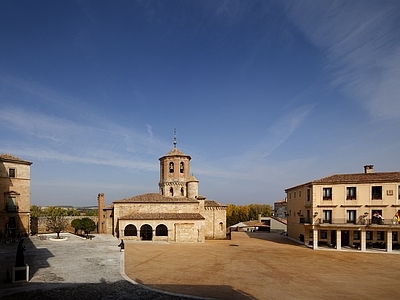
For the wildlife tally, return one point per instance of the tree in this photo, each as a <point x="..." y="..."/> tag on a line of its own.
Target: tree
<point x="87" y="225"/>
<point x="73" y="212"/>
<point x="76" y="224"/>
<point x="242" y="213"/>
<point x="55" y="211"/>
<point x="36" y="211"/>
<point x="56" y="224"/>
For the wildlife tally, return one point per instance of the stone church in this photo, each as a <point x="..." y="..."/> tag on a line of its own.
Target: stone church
<point x="177" y="213"/>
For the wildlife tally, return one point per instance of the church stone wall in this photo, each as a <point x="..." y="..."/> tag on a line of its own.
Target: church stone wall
<point x="125" y="209"/>
<point x="215" y="223"/>
<point x="178" y="231"/>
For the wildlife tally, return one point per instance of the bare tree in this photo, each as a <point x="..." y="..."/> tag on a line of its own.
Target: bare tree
<point x="56" y="224"/>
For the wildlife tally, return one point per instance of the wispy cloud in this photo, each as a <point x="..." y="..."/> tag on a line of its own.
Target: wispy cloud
<point x="63" y="140"/>
<point x="278" y="132"/>
<point x="361" y="44"/>
<point x="251" y="165"/>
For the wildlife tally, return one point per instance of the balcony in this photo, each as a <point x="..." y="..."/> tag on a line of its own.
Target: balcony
<point x="11" y="208"/>
<point x="359" y="221"/>
<point x="305" y="221"/>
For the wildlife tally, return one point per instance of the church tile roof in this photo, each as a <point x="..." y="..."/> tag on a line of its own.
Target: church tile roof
<point x="163" y="216"/>
<point x="155" y="198"/>
<point x="212" y="203"/>
<point x="176" y="152"/>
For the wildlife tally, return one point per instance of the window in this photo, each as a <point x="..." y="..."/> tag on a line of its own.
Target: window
<point x="12" y="204"/>
<point x="12" y="224"/>
<point x="181" y="167"/>
<point x="324" y="234"/>
<point x="377" y="193"/>
<point x="171" y="191"/>
<point x="377" y="217"/>
<point x="171" y="167"/>
<point x="130" y="230"/>
<point x="398" y="193"/>
<point x="11" y="172"/>
<point x="380" y="235"/>
<point x="161" y="230"/>
<point x="299" y="194"/>
<point x="327" y="193"/>
<point x="182" y="192"/>
<point x="356" y="235"/>
<point x="294" y="194"/>
<point x="308" y="194"/>
<point x="351" y="216"/>
<point x="351" y="193"/>
<point x="369" y="235"/>
<point x="327" y="216"/>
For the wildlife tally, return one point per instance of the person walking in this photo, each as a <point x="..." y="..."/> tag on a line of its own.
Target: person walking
<point x="121" y="246"/>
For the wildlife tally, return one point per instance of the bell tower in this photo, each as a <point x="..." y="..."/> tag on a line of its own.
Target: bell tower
<point x="174" y="173"/>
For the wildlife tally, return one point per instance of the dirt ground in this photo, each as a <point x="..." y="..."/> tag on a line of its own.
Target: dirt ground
<point x="262" y="266"/>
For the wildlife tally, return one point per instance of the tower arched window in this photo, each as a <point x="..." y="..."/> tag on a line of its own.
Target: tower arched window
<point x="171" y="167"/>
<point x="171" y="191"/>
<point x="182" y="192"/>
<point x="181" y="167"/>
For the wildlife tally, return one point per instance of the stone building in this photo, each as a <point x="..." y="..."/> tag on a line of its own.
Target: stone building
<point x="15" y="205"/>
<point x="360" y="210"/>
<point x="177" y="213"/>
<point x="280" y="209"/>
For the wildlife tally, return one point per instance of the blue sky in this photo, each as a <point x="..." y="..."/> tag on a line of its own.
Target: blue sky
<point x="264" y="94"/>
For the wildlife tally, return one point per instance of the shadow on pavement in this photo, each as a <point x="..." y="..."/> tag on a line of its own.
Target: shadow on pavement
<point x="122" y="290"/>
<point x="273" y="237"/>
<point x="8" y="253"/>
<point x="203" y="291"/>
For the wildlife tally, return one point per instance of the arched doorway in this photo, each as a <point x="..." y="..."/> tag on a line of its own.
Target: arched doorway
<point x="146" y="232"/>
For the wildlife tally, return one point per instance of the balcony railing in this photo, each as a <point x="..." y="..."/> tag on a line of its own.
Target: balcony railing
<point x="358" y="221"/>
<point x="305" y="221"/>
<point x="11" y="207"/>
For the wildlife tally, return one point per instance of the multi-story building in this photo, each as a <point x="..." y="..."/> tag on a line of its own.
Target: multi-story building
<point x="348" y="210"/>
<point x="16" y="196"/>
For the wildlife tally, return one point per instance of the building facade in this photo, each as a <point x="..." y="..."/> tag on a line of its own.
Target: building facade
<point x="359" y="210"/>
<point x="15" y="205"/>
<point x="177" y="213"/>
<point x="280" y="209"/>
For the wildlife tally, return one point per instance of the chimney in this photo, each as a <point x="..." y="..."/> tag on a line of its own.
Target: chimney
<point x="100" y="221"/>
<point x="368" y="169"/>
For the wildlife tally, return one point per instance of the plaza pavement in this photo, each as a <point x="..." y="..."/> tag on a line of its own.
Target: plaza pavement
<point x="250" y="266"/>
<point x="77" y="268"/>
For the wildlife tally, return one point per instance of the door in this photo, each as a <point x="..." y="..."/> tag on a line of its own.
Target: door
<point x="345" y="238"/>
<point x="146" y="233"/>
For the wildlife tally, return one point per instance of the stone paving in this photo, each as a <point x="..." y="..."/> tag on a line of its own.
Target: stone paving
<point x="76" y="268"/>
<point x="250" y="266"/>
